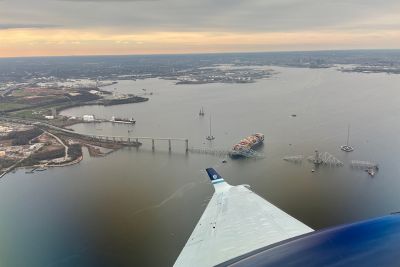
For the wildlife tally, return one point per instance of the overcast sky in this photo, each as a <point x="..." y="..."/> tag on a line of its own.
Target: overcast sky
<point x="67" y="27"/>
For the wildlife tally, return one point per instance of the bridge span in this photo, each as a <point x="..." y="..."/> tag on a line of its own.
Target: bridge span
<point x="130" y="139"/>
<point x="123" y="140"/>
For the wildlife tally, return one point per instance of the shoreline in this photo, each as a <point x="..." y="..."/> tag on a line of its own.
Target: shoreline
<point x="33" y="167"/>
<point x="94" y="147"/>
<point x="105" y="103"/>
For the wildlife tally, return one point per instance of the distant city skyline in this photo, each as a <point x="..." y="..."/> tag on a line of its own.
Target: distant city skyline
<point x="109" y="27"/>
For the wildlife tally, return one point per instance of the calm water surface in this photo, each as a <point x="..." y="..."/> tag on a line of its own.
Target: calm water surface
<point x="137" y="208"/>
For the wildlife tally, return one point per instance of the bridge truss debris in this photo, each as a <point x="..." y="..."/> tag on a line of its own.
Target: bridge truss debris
<point x="325" y="159"/>
<point x="364" y="164"/>
<point x="210" y="151"/>
<point x="294" y="159"/>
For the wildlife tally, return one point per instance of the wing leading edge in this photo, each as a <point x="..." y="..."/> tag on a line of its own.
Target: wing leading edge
<point x="236" y="221"/>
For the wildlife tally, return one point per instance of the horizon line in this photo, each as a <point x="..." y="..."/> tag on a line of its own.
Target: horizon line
<point x="206" y="53"/>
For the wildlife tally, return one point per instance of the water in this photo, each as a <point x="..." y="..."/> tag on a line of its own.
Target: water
<point x="137" y="208"/>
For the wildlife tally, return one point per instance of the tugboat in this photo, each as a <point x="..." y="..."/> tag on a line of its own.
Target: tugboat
<point x="347" y="147"/>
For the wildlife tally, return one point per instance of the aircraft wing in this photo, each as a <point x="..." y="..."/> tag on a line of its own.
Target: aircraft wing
<point x="236" y="221"/>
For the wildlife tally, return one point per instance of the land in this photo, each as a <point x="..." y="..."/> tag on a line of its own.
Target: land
<point x="43" y="102"/>
<point x="33" y="91"/>
<point x="30" y="145"/>
<point x="38" y="87"/>
<point x="34" y="134"/>
<point x="104" y="70"/>
<point x="221" y="74"/>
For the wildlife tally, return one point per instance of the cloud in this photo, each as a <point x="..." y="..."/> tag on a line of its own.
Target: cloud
<point x="8" y="26"/>
<point x="111" y="1"/>
<point x="57" y="42"/>
<point x="202" y="15"/>
<point x="219" y="18"/>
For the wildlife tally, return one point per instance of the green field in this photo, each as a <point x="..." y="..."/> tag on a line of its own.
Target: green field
<point x="10" y="106"/>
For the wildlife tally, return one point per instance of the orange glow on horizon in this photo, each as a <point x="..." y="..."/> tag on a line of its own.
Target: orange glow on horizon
<point x="65" y="42"/>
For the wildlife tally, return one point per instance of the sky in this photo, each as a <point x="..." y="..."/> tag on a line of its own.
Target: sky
<point x="119" y="27"/>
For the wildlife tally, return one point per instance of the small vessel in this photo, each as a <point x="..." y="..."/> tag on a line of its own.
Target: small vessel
<point x="210" y="137"/>
<point x="201" y="113"/>
<point x="347" y="147"/>
<point x="31" y="171"/>
<point x="121" y="120"/>
<point x="371" y="172"/>
<point x="246" y="146"/>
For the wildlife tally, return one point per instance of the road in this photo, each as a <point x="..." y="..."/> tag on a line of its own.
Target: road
<point x="61" y="142"/>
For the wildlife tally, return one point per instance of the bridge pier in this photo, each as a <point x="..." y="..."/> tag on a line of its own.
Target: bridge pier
<point x="187" y="145"/>
<point x="153" y="144"/>
<point x="169" y="145"/>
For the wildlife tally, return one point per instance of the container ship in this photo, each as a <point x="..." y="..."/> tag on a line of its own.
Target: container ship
<point x="245" y="147"/>
<point x="125" y="121"/>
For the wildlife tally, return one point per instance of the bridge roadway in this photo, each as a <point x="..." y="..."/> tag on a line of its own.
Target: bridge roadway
<point x="129" y="139"/>
<point x="117" y="139"/>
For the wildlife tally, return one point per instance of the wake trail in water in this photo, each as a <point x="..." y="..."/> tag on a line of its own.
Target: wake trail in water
<point x="177" y="193"/>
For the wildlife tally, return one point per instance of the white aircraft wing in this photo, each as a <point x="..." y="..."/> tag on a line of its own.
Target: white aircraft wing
<point x="236" y="221"/>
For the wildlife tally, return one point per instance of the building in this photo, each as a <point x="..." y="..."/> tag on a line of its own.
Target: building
<point x="49" y="117"/>
<point x="88" y="118"/>
<point x="94" y="92"/>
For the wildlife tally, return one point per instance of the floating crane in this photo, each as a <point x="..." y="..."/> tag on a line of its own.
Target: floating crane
<point x="347" y="147"/>
<point x="201" y="113"/>
<point x="210" y="137"/>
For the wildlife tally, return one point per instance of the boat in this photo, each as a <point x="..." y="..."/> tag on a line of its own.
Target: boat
<point x="245" y="147"/>
<point x="371" y="172"/>
<point x="210" y="137"/>
<point x="121" y="120"/>
<point x="31" y="171"/>
<point x="347" y="147"/>
<point x="201" y="113"/>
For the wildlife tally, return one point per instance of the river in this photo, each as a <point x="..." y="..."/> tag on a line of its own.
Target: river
<point x="136" y="207"/>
